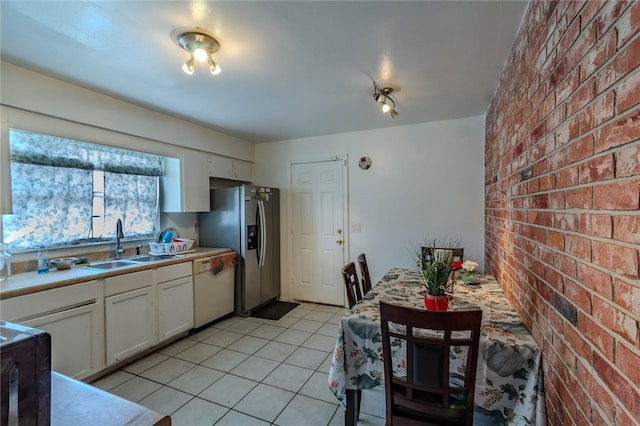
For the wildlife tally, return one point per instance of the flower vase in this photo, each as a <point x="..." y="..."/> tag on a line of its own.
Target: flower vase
<point x="436" y="303"/>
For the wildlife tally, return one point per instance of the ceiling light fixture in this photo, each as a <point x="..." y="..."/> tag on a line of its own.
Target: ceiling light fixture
<point x="383" y="96"/>
<point x="200" y="44"/>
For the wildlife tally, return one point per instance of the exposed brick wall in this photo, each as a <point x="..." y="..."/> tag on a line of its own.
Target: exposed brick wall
<point x="562" y="222"/>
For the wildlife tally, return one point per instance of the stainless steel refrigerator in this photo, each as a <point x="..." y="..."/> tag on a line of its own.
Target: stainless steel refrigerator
<point x="247" y="219"/>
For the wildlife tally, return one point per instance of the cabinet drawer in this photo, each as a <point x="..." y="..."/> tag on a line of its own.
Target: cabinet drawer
<point x="127" y="282"/>
<point x="173" y="272"/>
<point x="49" y="301"/>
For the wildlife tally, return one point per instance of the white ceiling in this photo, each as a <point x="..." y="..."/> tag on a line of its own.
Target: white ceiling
<point x="290" y="69"/>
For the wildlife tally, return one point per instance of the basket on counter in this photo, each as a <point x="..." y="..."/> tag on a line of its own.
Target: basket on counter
<point x="177" y="246"/>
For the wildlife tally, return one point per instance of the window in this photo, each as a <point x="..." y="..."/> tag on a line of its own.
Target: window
<point x="71" y="192"/>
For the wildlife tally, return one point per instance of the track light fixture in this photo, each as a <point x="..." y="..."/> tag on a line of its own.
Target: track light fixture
<point x="200" y="44"/>
<point x="383" y="96"/>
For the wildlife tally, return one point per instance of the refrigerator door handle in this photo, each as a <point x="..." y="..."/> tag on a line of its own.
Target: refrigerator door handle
<point x="263" y="233"/>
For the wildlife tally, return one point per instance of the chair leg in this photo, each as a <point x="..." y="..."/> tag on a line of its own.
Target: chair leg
<point x="352" y="413"/>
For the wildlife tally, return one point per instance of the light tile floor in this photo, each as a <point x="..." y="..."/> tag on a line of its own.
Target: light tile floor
<point x="246" y="371"/>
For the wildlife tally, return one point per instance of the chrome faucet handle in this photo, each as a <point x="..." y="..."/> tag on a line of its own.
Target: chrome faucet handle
<point x="138" y="247"/>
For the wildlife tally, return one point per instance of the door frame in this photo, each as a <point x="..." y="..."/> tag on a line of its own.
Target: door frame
<point x="345" y="211"/>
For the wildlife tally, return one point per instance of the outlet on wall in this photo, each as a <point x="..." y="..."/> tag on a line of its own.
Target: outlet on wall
<point x="355" y="227"/>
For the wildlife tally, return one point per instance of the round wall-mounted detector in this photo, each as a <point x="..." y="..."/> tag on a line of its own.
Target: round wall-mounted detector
<point x="364" y="163"/>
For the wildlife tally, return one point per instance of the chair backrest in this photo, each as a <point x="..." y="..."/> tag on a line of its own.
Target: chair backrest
<point x="430" y="391"/>
<point x="351" y="283"/>
<point x="364" y="274"/>
<point x="458" y="252"/>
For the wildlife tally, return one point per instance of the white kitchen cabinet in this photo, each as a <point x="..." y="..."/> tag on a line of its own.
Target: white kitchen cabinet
<point x="185" y="185"/>
<point x="243" y="170"/>
<point x="221" y="167"/>
<point x="74" y="317"/>
<point x="130" y="315"/>
<point x="229" y="168"/>
<point x="77" y="348"/>
<point x="175" y="300"/>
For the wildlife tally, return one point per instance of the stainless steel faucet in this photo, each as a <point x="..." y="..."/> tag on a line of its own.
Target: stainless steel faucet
<point x="119" y="234"/>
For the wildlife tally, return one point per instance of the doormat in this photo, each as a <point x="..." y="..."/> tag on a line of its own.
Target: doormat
<point x="274" y="310"/>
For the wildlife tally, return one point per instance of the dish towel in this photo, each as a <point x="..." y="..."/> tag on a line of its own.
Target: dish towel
<point x="223" y="261"/>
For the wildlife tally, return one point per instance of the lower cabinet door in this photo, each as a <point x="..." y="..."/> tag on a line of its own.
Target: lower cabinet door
<point x="175" y="307"/>
<point x="77" y="345"/>
<point x="130" y="324"/>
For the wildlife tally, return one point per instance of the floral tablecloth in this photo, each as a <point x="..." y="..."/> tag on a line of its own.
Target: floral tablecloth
<point x="509" y="383"/>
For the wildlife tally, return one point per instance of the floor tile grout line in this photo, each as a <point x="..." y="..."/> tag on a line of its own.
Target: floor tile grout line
<point x="244" y="334"/>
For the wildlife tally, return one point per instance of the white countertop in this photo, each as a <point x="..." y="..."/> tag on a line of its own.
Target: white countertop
<point x="31" y="282"/>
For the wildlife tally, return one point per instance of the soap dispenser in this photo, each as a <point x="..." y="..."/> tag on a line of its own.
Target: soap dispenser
<point x="43" y="261"/>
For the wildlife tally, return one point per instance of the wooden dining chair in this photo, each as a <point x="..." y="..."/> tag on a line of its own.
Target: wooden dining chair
<point x="364" y="274"/>
<point x="351" y="283"/>
<point x="430" y="393"/>
<point x="457" y="252"/>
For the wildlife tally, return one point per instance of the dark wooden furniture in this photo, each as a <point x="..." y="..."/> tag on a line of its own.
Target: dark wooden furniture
<point x="458" y="252"/>
<point x="426" y="394"/>
<point x="364" y="274"/>
<point x="351" y="283"/>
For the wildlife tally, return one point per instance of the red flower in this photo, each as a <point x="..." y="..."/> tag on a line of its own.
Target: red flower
<point x="456" y="265"/>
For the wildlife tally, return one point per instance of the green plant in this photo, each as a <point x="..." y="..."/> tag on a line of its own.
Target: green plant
<point x="434" y="268"/>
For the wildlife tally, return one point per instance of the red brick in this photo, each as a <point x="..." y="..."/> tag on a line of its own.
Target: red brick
<point x="610" y="13"/>
<point x="580" y="149"/>
<point x="578" y="246"/>
<point x="567" y="131"/>
<point x="567" y="221"/>
<point x="601" y="398"/>
<point x="628" y="161"/>
<point x="617" y="196"/>
<point x="628" y="92"/>
<point x="598" y="225"/>
<point x="615" y="320"/>
<point x="596" y="280"/>
<point x="602" y="51"/>
<point x="575" y="339"/>
<point x="555" y="239"/>
<point x="629" y="23"/>
<point x="547" y="182"/>
<point x="554" y="279"/>
<point x="619" y="132"/>
<point x="622" y="419"/>
<point x="568" y="86"/>
<point x="597" y="335"/>
<point x="624" y="62"/>
<point x="566" y="265"/>
<point x="597" y="112"/>
<point x="628" y="361"/>
<point x="627" y="296"/>
<point x="622" y="260"/>
<point x="567" y="177"/>
<point x="582" y="45"/>
<point x="627" y="228"/>
<point x="619" y="386"/>
<point x="597" y="169"/>
<point x="580" y="198"/>
<point x="581" y="97"/>
<point x="546" y="218"/>
<point x="557" y="200"/>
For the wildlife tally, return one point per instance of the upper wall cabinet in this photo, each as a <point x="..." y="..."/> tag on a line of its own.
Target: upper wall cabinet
<point x="229" y="168"/>
<point x="185" y="186"/>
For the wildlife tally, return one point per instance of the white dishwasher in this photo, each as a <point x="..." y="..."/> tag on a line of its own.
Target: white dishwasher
<point x="213" y="295"/>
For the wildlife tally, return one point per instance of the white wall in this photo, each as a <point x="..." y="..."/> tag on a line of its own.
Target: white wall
<point x="30" y="91"/>
<point x="426" y="181"/>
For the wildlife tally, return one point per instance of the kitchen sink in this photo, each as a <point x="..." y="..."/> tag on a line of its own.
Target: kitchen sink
<point x="111" y="264"/>
<point x="144" y="258"/>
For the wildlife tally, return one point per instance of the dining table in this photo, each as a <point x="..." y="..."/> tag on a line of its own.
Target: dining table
<point x="509" y="382"/>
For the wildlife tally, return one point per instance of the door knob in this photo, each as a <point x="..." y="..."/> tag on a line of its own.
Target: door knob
<point x="339" y="241"/>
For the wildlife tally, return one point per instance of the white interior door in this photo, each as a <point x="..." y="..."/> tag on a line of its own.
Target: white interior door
<point x="318" y="231"/>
